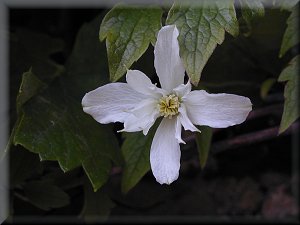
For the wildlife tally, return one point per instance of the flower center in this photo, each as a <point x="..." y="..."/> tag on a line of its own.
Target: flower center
<point x="168" y="106"/>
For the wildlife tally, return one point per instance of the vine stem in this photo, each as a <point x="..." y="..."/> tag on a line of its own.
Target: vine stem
<point x="251" y="138"/>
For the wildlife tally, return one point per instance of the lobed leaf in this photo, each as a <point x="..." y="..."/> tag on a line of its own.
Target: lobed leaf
<point x="291" y="92"/>
<point x="128" y="32"/>
<point x="251" y="9"/>
<point x="202" y="25"/>
<point x="291" y="34"/>
<point x="53" y="124"/>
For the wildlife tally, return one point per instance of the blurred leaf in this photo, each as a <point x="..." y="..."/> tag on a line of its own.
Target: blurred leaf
<point x="203" y="141"/>
<point x="45" y="195"/>
<point x="128" y="32"/>
<point x="23" y="164"/>
<point x="251" y="10"/>
<point x="33" y="49"/>
<point x="97" y="205"/>
<point x="266" y="87"/>
<point x="291" y="35"/>
<point x="291" y="93"/>
<point x="136" y="152"/>
<point x="87" y="65"/>
<point x="202" y="26"/>
<point x="284" y="4"/>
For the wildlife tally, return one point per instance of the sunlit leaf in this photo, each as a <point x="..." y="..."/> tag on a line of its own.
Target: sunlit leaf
<point x="202" y="25"/>
<point x="291" y="93"/>
<point x="128" y="31"/>
<point x="251" y="10"/>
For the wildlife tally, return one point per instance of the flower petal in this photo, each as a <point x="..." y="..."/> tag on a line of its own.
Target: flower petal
<point x="216" y="110"/>
<point x="183" y="89"/>
<point x="167" y="62"/>
<point x="111" y="102"/>
<point x="184" y="119"/>
<point x="142" y="116"/>
<point x="139" y="82"/>
<point x="165" y="153"/>
<point x="178" y="131"/>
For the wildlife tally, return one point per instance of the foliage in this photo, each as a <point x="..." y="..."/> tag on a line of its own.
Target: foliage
<point x="291" y="93"/>
<point x="202" y="26"/>
<point x="128" y="32"/>
<point x="51" y="125"/>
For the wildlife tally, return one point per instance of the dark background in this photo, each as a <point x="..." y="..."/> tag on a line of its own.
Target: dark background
<point x="251" y="179"/>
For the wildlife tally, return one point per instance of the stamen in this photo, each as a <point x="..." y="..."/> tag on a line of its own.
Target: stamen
<point x="168" y="106"/>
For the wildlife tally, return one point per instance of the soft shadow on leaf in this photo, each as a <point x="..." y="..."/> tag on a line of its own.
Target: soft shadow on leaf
<point x="97" y="205"/>
<point x="291" y="93"/>
<point x="128" y="31"/>
<point x="45" y="195"/>
<point x="23" y="165"/>
<point x="202" y="25"/>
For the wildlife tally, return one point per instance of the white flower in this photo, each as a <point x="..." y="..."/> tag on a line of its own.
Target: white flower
<point x="138" y="103"/>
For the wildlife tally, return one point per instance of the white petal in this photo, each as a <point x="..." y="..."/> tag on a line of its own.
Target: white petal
<point x="139" y="82"/>
<point x="165" y="152"/>
<point x="178" y="131"/>
<point x="142" y="116"/>
<point x="184" y="119"/>
<point x="167" y="62"/>
<point x="216" y="110"/>
<point x="111" y="102"/>
<point x="183" y="89"/>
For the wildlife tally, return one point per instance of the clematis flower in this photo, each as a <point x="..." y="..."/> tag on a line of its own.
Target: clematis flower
<point x="138" y="103"/>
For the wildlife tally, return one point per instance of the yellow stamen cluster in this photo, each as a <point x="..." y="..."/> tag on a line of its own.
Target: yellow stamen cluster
<point x="168" y="106"/>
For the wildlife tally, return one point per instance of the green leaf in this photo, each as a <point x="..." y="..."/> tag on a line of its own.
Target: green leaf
<point x="97" y="205"/>
<point x="202" y="26"/>
<point x="32" y="49"/>
<point x="251" y="9"/>
<point x="136" y="152"/>
<point x="291" y="34"/>
<point x="87" y="65"/>
<point x="54" y="126"/>
<point x="291" y="93"/>
<point x="266" y="87"/>
<point x="23" y="164"/>
<point x="128" y="31"/>
<point x="30" y="86"/>
<point x="284" y="4"/>
<point x="203" y="141"/>
<point x="45" y="195"/>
